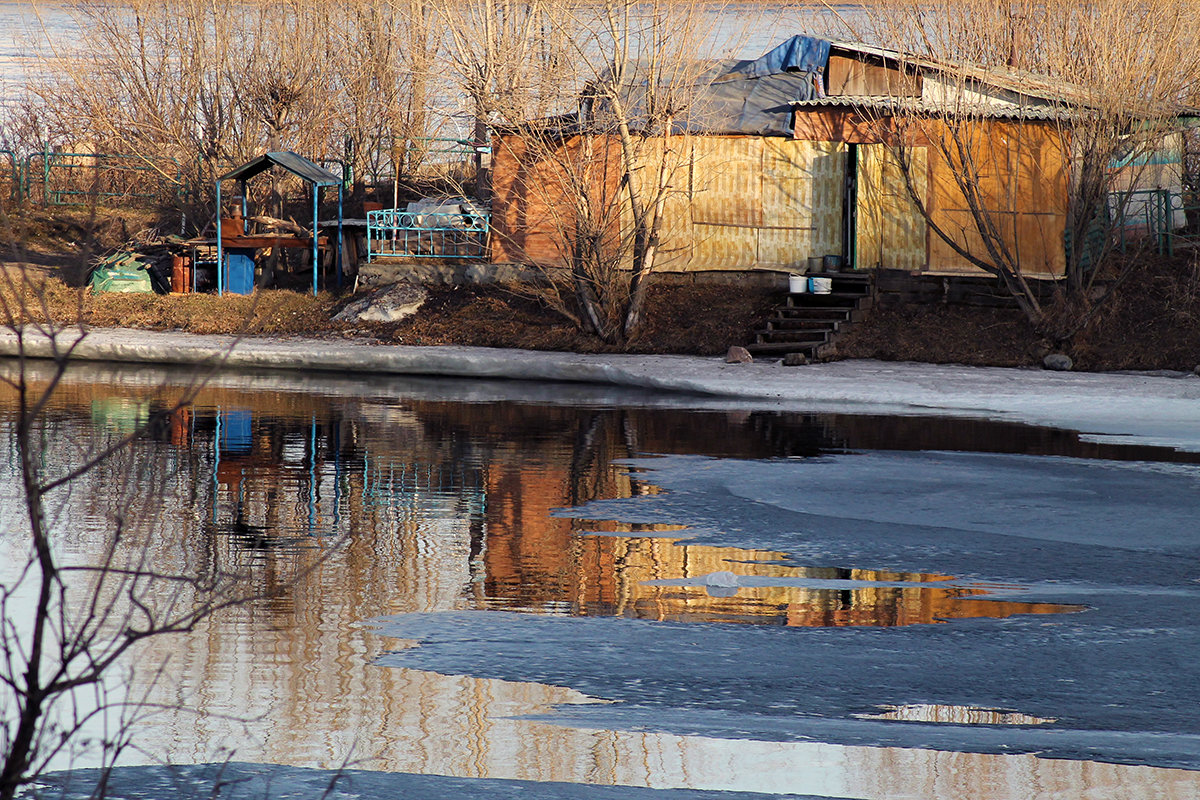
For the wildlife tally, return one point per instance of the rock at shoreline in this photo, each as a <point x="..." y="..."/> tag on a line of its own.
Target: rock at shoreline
<point x="1058" y="362"/>
<point x="389" y="304"/>
<point x="738" y="355"/>
<point x="795" y="360"/>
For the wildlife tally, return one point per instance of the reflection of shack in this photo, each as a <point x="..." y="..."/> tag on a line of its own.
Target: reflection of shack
<point x="238" y="246"/>
<point x="537" y="560"/>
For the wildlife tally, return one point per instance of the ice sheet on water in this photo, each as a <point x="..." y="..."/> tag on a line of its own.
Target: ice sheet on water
<point x="1121" y="680"/>
<point x="241" y="781"/>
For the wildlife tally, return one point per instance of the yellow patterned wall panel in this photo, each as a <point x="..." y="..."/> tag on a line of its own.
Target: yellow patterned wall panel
<point x="724" y="247"/>
<point x="802" y="201"/>
<point x="726" y="185"/>
<point x="670" y="158"/>
<point x="890" y="231"/>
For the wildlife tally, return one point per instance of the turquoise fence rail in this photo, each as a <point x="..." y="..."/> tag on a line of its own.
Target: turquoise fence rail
<point x="81" y="178"/>
<point x="427" y="234"/>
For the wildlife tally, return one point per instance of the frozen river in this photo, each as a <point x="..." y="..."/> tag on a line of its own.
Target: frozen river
<point x="560" y="591"/>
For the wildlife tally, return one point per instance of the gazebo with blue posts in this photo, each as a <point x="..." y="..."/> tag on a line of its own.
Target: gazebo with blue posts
<point x="316" y="176"/>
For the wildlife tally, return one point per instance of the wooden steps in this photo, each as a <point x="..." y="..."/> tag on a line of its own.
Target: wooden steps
<point x="807" y="323"/>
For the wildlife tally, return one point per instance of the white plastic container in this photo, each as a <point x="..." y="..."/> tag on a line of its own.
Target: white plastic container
<point x="797" y="284"/>
<point x="822" y="285"/>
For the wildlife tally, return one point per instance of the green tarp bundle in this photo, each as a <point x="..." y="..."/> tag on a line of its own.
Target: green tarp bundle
<point x="121" y="272"/>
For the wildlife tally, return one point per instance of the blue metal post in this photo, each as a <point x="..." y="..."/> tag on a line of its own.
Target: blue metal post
<point x="316" y="190"/>
<point x="220" y="249"/>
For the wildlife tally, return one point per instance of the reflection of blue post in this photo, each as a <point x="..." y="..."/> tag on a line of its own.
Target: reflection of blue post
<point x="368" y="490"/>
<point x="337" y="478"/>
<point x="216" y="465"/>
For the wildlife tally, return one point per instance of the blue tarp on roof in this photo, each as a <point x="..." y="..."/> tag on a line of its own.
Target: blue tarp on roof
<point x="797" y="54"/>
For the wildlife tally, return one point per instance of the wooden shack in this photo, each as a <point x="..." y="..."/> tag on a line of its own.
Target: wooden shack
<point x="819" y="174"/>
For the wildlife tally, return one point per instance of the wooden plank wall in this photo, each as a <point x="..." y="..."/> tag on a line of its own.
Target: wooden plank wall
<point x="764" y="202"/>
<point x="533" y="210"/>
<point x="1022" y="182"/>
<point x="852" y="76"/>
<point x="745" y="202"/>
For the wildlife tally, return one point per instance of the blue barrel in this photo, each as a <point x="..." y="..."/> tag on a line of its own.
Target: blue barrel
<point x="239" y="270"/>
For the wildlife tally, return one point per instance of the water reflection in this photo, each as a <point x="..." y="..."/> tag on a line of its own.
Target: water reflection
<point x="954" y="715"/>
<point x="448" y="505"/>
<point x="661" y="579"/>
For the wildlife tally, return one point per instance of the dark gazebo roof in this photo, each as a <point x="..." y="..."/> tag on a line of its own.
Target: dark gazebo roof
<point x="298" y="165"/>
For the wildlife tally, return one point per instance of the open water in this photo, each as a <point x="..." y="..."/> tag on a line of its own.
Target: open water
<point x="559" y="591"/>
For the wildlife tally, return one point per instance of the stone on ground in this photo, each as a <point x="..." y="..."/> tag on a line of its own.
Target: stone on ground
<point x="795" y="360"/>
<point x="1058" y="362"/>
<point x="389" y="304"/>
<point x="738" y="355"/>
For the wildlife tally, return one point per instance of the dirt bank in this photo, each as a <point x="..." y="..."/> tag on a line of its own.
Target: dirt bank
<point x="1152" y="323"/>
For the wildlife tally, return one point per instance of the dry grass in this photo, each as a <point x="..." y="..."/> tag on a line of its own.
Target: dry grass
<point x="280" y="313"/>
<point x="940" y="334"/>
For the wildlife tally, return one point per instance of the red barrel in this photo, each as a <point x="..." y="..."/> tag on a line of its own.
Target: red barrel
<point x="181" y="275"/>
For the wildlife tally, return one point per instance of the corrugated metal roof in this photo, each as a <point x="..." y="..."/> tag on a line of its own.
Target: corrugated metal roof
<point x="917" y="106"/>
<point x="298" y="165"/>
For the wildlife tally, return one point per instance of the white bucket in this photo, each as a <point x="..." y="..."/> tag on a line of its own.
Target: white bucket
<point x="797" y="284"/>
<point x="822" y="285"/>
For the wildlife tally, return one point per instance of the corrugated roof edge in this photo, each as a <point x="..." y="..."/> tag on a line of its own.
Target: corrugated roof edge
<point x="1062" y="112"/>
<point x="982" y="110"/>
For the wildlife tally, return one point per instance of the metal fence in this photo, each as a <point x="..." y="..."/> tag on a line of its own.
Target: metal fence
<point x="64" y="179"/>
<point x="427" y="234"/>
<point x="1169" y="219"/>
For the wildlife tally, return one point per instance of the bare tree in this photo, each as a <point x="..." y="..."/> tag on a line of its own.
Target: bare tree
<point x="602" y="170"/>
<point x="192" y="89"/>
<point x="71" y="626"/>
<point x="1037" y="123"/>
